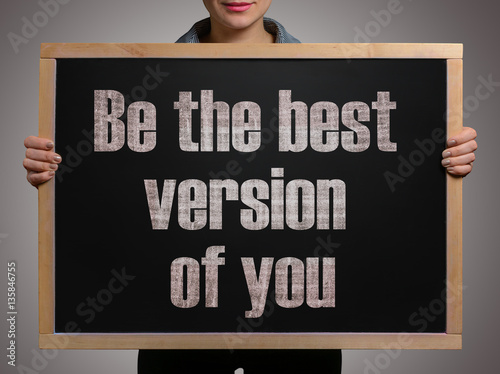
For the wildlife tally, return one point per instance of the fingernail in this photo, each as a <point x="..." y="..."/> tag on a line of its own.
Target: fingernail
<point x="53" y="166"/>
<point x="57" y="158"/>
<point x="450" y="170"/>
<point x="452" y="142"/>
<point x="446" y="162"/>
<point x="446" y="154"/>
<point x="50" y="145"/>
<point x="52" y="173"/>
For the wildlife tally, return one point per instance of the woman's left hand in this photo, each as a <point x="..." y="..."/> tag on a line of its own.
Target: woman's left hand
<point x="459" y="156"/>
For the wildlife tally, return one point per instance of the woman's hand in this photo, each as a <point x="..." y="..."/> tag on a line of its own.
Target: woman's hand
<point x="40" y="162"/>
<point x="459" y="157"/>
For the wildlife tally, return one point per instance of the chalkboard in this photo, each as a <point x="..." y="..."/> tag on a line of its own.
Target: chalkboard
<point x="222" y="201"/>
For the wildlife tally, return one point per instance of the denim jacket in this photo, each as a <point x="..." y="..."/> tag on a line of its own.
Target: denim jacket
<point x="202" y="27"/>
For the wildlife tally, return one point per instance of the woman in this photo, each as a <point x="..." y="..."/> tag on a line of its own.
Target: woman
<point x="238" y="22"/>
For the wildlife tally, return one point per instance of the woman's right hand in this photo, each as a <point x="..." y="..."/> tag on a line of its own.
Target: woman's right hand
<point x="40" y="162"/>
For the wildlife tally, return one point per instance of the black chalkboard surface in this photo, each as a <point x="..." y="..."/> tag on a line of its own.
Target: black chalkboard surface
<point x="147" y="241"/>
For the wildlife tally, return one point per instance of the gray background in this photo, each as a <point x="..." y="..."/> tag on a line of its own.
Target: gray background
<point x="473" y="23"/>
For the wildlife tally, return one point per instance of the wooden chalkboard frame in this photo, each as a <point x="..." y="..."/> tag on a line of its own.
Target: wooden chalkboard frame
<point x="452" y="339"/>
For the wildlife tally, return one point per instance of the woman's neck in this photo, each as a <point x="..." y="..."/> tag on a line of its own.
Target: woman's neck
<point x="255" y="33"/>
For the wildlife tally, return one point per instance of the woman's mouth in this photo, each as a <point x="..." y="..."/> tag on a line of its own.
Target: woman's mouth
<point x="238" y="7"/>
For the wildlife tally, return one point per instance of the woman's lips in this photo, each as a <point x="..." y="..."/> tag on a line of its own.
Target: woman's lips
<point x="238" y="7"/>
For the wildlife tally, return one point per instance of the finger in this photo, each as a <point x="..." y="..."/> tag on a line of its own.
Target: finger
<point x="466" y="135"/>
<point x="460" y="150"/>
<point x="46" y="156"/>
<point x="38" y="143"/>
<point x="38" y="166"/>
<point x="459" y="160"/>
<point x="460" y="170"/>
<point x="38" y="178"/>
